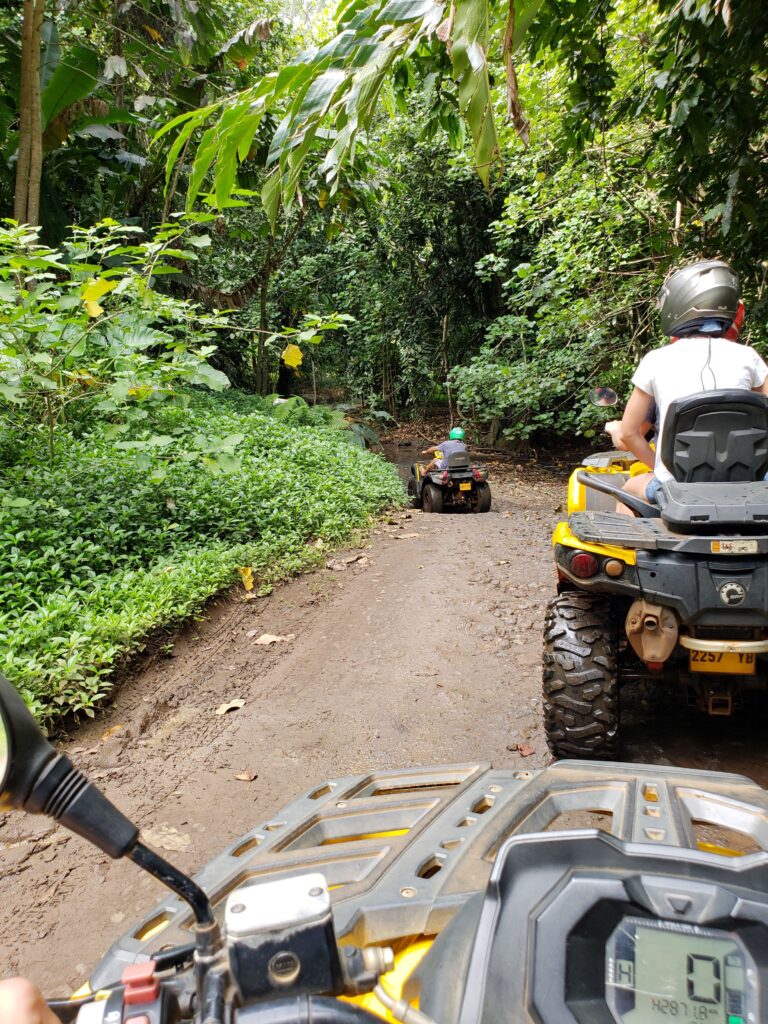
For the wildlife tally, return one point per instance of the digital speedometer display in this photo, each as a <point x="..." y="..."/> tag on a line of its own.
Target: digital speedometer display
<point x="657" y="971"/>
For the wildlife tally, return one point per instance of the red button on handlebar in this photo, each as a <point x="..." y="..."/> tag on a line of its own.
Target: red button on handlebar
<point x="141" y="985"/>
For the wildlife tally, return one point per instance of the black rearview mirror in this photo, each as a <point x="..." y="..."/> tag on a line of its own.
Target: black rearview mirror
<point x="38" y="779"/>
<point x="603" y="396"/>
<point x="35" y="777"/>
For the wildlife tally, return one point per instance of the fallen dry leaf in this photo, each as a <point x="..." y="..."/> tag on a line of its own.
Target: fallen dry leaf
<point x="270" y="638"/>
<point x="166" y="838"/>
<point x="232" y="705"/>
<point x="340" y="564"/>
<point x="524" y="750"/>
<point x="246" y="776"/>
<point x="246" y="575"/>
<point x="170" y="504"/>
<point x="319" y="544"/>
<point x="112" y="731"/>
<point x="405" y="536"/>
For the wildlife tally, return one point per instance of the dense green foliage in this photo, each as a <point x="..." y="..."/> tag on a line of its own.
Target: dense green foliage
<point x="84" y="330"/>
<point x="647" y="148"/>
<point x="100" y="556"/>
<point x="111" y="76"/>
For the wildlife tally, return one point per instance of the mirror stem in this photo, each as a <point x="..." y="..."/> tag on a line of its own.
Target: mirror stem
<point x="184" y="887"/>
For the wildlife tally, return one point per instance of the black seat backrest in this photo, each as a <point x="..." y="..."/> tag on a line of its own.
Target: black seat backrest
<point x="458" y="460"/>
<point x="717" y="437"/>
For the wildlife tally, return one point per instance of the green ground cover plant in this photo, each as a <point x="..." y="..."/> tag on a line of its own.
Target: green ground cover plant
<point x="111" y="541"/>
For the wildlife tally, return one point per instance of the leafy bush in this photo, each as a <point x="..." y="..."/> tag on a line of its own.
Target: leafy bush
<point x="93" y="555"/>
<point x="86" y="334"/>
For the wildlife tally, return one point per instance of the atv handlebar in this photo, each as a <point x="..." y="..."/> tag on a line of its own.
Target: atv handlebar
<point x="298" y="1009"/>
<point x="642" y="509"/>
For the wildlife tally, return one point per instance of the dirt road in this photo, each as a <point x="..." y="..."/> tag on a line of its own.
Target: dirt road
<point x="428" y="653"/>
<point x="424" y="650"/>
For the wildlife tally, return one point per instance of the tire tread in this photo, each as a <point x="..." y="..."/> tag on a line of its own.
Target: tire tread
<point x="580" y="677"/>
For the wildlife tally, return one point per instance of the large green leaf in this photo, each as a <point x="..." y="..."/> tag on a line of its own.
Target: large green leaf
<point x="50" y="52"/>
<point x="525" y="12"/>
<point x="327" y="97"/>
<point x="75" y="77"/>
<point x="469" y="55"/>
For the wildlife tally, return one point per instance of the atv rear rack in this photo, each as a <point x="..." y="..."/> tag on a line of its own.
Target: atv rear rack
<point x="403" y="851"/>
<point x="612" y="528"/>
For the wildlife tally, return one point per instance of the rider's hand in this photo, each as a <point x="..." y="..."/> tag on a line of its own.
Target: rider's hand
<point x="613" y="429"/>
<point x="21" y="1002"/>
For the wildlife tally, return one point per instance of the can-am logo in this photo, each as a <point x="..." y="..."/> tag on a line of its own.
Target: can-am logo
<point x="732" y="593"/>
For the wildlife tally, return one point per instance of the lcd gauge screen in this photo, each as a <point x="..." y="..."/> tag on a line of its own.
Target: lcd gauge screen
<point x="658" y="971"/>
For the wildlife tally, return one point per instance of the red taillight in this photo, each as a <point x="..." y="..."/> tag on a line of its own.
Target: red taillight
<point x="584" y="565"/>
<point x="477" y="474"/>
<point x="445" y="477"/>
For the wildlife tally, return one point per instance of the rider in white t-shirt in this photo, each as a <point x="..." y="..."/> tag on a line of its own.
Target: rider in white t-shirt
<point x="698" y="305"/>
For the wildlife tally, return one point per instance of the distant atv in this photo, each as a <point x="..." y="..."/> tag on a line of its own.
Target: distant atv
<point x="679" y="593"/>
<point x="461" y="485"/>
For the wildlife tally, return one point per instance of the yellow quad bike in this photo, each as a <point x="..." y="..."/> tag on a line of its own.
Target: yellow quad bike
<point x="677" y="592"/>
<point x="579" y="894"/>
<point x="461" y="484"/>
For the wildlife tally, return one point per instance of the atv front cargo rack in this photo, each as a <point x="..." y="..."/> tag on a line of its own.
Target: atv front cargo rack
<point x="612" y="528"/>
<point x="402" y="851"/>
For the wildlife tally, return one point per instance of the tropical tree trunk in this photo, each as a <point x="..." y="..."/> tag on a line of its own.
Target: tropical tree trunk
<point x="29" y="167"/>
<point x="262" y="374"/>
<point x="262" y="367"/>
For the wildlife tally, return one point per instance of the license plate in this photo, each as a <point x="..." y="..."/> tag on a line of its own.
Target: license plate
<point x="734" y="547"/>
<point x="465" y="487"/>
<point x="728" y="662"/>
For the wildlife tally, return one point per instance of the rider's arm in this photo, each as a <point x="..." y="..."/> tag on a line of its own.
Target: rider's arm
<point x="430" y="450"/>
<point x="21" y="1002"/>
<point x="634" y="425"/>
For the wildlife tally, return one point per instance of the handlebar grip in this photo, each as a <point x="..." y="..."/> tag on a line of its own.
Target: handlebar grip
<point x="163" y="1009"/>
<point x="91" y="1013"/>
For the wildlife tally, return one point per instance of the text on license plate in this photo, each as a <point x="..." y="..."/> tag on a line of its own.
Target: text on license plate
<point x="729" y="662"/>
<point x="733" y="547"/>
<point x="465" y="487"/>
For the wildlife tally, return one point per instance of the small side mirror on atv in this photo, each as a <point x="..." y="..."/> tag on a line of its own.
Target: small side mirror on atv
<point x="603" y="396"/>
<point x="39" y="780"/>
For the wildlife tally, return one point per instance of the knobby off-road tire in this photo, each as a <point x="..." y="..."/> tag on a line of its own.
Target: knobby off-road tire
<point x="483" y="501"/>
<point x="581" y="690"/>
<point x="432" y="498"/>
<point x="415" y="500"/>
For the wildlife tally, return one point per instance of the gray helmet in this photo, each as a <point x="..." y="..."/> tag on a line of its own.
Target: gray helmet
<point x="701" y="292"/>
